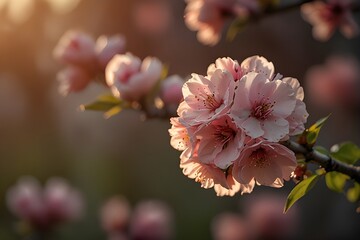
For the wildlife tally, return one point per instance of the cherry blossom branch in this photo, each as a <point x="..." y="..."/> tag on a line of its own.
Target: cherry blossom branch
<point x="327" y="162"/>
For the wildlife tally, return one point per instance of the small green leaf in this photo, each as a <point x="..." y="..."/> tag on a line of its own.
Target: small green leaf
<point x="300" y="190"/>
<point x="113" y="111"/>
<point x="321" y="149"/>
<point x="235" y="27"/>
<point x="313" y="132"/>
<point x="102" y="103"/>
<point x="335" y="181"/>
<point x="347" y="152"/>
<point x="353" y="194"/>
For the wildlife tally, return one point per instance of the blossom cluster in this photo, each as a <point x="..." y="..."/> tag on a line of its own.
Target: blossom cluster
<point x="84" y="58"/>
<point x="149" y="220"/>
<point x="231" y="121"/>
<point x="45" y="208"/>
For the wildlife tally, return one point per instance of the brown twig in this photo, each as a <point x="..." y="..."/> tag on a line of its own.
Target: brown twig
<point x="327" y="162"/>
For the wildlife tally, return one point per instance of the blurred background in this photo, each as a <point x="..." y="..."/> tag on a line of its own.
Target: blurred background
<point x="43" y="134"/>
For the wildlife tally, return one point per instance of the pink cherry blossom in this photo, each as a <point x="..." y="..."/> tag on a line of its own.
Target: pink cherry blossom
<point x="63" y="203"/>
<point x="180" y="139"/>
<point x="334" y="84"/>
<point x="152" y="220"/>
<point x="230" y="226"/>
<point x="130" y="78"/>
<point x="25" y="200"/>
<point x="265" y="162"/>
<point x="171" y="92"/>
<point x="208" y="16"/>
<point x="327" y="16"/>
<point x="256" y="64"/>
<point x="106" y="47"/>
<point x="298" y="117"/>
<point x="76" y="48"/>
<point x="45" y="208"/>
<point x="220" y="142"/>
<point x="262" y="106"/>
<point x="206" y="98"/>
<point x="115" y="215"/>
<point x="72" y="79"/>
<point x="208" y="175"/>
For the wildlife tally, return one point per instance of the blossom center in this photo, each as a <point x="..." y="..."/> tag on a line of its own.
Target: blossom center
<point x="259" y="158"/>
<point x="223" y="135"/>
<point x="209" y="101"/>
<point x="262" y="111"/>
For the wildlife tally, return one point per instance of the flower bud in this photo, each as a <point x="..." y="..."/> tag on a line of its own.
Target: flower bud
<point x="115" y="215"/>
<point x="62" y="202"/>
<point x="152" y="220"/>
<point x="171" y="92"/>
<point x="76" y="48"/>
<point x="107" y="47"/>
<point x="72" y="79"/>
<point x="24" y="199"/>
<point x="130" y="78"/>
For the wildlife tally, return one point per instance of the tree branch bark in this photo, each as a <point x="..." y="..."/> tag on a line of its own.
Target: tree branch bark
<point x="327" y="162"/>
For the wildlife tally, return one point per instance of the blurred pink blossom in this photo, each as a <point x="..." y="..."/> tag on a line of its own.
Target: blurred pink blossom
<point x="171" y="92"/>
<point x="152" y="220"/>
<point x="208" y="16"/>
<point x="266" y="220"/>
<point x="72" y="79"/>
<point x="335" y="83"/>
<point x="107" y="47"/>
<point x="76" y="48"/>
<point x="130" y="78"/>
<point x="115" y="215"/>
<point x="152" y="17"/>
<point x="230" y="226"/>
<point x="45" y="208"/>
<point x="327" y="16"/>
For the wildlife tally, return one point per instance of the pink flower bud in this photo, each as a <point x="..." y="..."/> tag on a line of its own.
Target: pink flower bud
<point x="171" y="92"/>
<point x="229" y="226"/>
<point x="62" y="202"/>
<point x="107" y="47"/>
<point x="25" y="199"/>
<point x="72" y="79"/>
<point x="115" y="215"/>
<point x="152" y="220"/>
<point x="129" y="78"/>
<point x="76" y="48"/>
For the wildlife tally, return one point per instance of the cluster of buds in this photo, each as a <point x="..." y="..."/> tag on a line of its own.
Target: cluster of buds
<point x="44" y="209"/>
<point x="85" y="58"/>
<point x="231" y="123"/>
<point x="149" y="220"/>
<point x="129" y="78"/>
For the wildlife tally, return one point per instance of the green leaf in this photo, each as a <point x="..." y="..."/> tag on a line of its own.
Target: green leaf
<point x="313" y="132"/>
<point x="300" y="190"/>
<point x="113" y="111"/>
<point x="347" y="152"/>
<point x="353" y="194"/>
<point x="102" y="103"/>
<point x="335" y="181"/>
<point x="235" y="27"/>
<point x="321" y="149"/>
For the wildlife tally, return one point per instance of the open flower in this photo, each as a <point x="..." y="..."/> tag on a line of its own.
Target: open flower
<point x="262" y="106"/>
<point x="265" y="162"/>
<point x="130" y="78"/>
<point x="220" y="142"/>
<point x="327" y="16"/>
<point x="206" y="98"/>
<point x="45" y="208"/>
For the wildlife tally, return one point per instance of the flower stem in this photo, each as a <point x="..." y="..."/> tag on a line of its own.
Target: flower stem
<point x="327" y="162"/>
